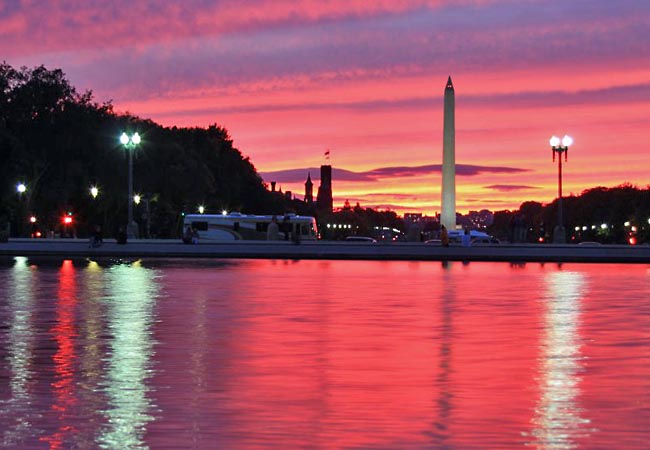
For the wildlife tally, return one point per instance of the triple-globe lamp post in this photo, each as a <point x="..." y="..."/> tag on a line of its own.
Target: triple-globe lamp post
<point x="560" y="146"/>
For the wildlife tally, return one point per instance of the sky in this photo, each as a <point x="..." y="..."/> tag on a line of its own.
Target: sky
<point x="291" y="79"/>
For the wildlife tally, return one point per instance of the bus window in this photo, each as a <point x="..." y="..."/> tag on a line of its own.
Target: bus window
<point x="200" y="226"/>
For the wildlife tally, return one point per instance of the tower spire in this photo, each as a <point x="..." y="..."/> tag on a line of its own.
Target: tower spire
<point x="450" y="85"/>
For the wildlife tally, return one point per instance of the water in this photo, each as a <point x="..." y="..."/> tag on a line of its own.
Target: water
<point x="323" y="354"/>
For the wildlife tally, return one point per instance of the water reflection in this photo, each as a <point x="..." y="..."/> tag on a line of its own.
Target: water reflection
<point x="14" y="410"/>
<point x="129" y="304"/>
<point x="558" y="422"/>
<point x="64" y="333"/>
<point x="322" y="354"/>
<point x="443" y="383"/>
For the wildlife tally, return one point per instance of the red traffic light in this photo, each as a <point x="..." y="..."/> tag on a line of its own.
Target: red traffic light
<point x="67" y="220"/>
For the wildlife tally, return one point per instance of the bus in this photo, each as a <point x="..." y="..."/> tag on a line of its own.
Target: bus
<point x="236" y="226"/>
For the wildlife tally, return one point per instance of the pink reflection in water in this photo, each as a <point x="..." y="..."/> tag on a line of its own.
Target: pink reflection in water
<point x="337" y="354"/>
<point x="346" y="354"/>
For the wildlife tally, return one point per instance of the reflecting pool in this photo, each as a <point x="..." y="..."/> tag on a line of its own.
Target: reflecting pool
<point x="245" y="354"/>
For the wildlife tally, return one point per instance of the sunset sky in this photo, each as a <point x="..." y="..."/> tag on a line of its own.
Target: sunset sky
<point x="290" y="79"/>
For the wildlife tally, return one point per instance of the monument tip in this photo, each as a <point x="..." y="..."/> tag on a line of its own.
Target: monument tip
<point x="450" y="85"/>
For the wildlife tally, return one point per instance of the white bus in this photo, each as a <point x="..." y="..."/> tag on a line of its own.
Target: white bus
<point x="235" y="226"/>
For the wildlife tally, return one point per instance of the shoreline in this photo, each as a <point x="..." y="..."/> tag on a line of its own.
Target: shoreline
<point x="326" y="250"/>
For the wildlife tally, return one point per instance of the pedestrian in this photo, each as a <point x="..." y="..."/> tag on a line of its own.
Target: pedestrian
<point x="187" y="236"/>
<point x="96" y="239"/>
<point x="273" y="230"/>
<point x="121" y="236"/>
<point x="466" y="240"/>
<point x="286" y="227"/>
<point x="444" y="236"/>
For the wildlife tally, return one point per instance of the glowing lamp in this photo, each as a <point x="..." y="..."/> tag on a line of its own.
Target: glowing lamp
<point x="201" y="209"/>
<point x="603" y="226"/>
<point x="567" y="141"/>
<point x="67" y="220"/>
<point x="224" y="212"/>
<point x="32" y="219"/>
<point x="94" y="191"/>
<point x="136" y="199"/>
<point x="136" y="138"/>
<point x="20" y="188"/>
<point x="555" y="141"/>
<point x="124" y="139"/>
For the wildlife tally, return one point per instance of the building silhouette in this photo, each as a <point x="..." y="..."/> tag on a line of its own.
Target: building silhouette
<point x="309" y="190"/>
<point x="324" y="199"/>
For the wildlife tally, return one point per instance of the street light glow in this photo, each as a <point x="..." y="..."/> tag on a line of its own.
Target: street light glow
<point x="32" y="219"/>
<point x="136" y="138"/>
<point x="201" y="209"/>
<point x="555" y="141"/>
<point x="21" y="188"/>
<point x="567" y="141"/>
<point x="136" y="199"/>
<point x="124" y="139"/>
<point x="94" y="191"/>
<point x="224" y="212"/>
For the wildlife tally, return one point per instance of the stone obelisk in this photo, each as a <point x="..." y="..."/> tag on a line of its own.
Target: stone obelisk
<point x="448" y="204"/>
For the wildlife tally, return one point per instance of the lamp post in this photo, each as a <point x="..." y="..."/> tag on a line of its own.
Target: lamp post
<point x="560" y="146"/>
<point x="21" y="189"/>
<point x="129" y="143"/>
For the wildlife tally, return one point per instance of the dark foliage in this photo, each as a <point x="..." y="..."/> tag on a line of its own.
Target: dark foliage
<point x="60" y="143"/>
<point x="606" y="215"/>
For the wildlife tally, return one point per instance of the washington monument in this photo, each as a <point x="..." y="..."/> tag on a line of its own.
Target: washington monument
<point x="448" y="208"/>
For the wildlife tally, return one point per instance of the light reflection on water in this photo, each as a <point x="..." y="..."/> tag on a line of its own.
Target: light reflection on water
<point x="323" y="354"/>
<point x="557" y="415"/>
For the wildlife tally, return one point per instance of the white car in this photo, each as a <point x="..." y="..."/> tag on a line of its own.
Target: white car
<point x="361" y="239"/>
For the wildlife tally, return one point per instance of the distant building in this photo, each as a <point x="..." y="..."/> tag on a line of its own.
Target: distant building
<point x="481" y="219"/>
<point x="324" y="198"/>
<point x="411" y="218"/>
<point x="309" y="190"/>
<point x="419" y="226"/>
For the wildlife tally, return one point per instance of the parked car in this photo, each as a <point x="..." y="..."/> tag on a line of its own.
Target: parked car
<point x="489" y="240"/>
<point x="361" y="239"/>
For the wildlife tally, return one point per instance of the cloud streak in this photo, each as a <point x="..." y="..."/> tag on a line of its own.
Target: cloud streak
<point x="510" y="187"/>
<point x="382" y="173"/>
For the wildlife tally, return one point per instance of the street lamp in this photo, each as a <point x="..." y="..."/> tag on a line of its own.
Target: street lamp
<point x="560" y="146"/>
<point x="21" y="189"/>
<point x="201" y="209"/>
<point x="137" y="199"/>
<point x="94" y="191"/>
<point x="129" y="143"/>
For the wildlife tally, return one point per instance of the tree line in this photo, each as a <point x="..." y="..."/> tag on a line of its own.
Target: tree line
<point x="606" y="215"/>
<point x="59" y="143"/>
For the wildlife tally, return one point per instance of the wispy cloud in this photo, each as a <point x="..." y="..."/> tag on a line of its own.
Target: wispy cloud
<point x="510" y="187"/>
<point x="300" y="175"/>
